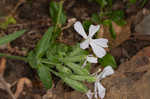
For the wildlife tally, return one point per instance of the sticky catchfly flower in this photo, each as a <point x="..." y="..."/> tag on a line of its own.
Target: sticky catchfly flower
<point x="99" y="90"/>
<point x="90" y="59"/>
<point x="97" y="45"/>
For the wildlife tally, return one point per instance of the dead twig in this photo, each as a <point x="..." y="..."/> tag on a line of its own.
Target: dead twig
<point x="70" y="23"/>
<point x="20" y="85"/>
<point x="2" y="80"/>
<point x="15" y="50"/>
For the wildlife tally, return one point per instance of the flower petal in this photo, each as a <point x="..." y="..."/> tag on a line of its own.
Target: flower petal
<point x="84" y="44"/>
<point x="98" y="50"/>
<point x="101" y="42"/>
<point x="79" y="28"/>
<point x="92" y="59"/>
<point x="95" y="90"/>
<point x="106" y="72"/>
<point x="101" y="90"/>
<point x="93" y="29"/>
<point x="89" y="94"/>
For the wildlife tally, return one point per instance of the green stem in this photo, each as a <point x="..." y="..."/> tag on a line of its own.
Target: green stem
<point x="14" y="57"/>
<point x="59" y="14"/>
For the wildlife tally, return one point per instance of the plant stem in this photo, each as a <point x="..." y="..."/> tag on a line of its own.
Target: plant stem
<point x="14" y="57"/>
<point x="59" y="14"/>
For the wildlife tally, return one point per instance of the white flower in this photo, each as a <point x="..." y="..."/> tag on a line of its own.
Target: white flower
<point x="108" y="70"/>
<point x="90" y="59"/>
<point x="96" y="44"/>
<point x="89" y="94"/>
<point x="99" y="90"/>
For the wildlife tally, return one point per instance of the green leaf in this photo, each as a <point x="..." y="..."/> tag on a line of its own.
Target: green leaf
<point x="95" y="18"/>
<point x="32" y="59"/>
<point x="107" y="22"/>
<point x="75" y="58"/>
<point x="57" y="50"/>
<point x="78" y="86"/>
<point x="11" y="37"/>
<point x="44" y="43"/>
<point x="51" y="53"/>
<point x="117" y="17"/>
<point x="89" y="79"/>
<point x="77" y="69"/>
<point x="108" y="59"/>
<point x="45" y="76"/>
<point x="112" y="31"/>
<point x="118" y="14"/>
<point x="88" y="66"/>
<point x="77" y="51"/>
<point x="63" y="69"/>
<point x="120" y="22"/>
<point x="57" y="13"/>
<point x="62" y="49"/>
<point x="86" y="25"/>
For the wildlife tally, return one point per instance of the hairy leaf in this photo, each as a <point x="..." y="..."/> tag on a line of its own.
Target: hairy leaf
<point x="32" y="59"/>
<point x="11" y="37"/>
<point x="89" y="79"/>
<point x="112" y="31"/>
<point x="108" y="59"/>
<point x="75" y="84"/>
<point x="63" y="69"/>
<point x="44" y="43"/>
<point x="45" y="76"/>
<point x="77" y="69"/>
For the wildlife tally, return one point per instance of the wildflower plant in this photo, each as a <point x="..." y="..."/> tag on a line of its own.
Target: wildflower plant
<point x="106" y="16"/>
<point x="70" y="63"/>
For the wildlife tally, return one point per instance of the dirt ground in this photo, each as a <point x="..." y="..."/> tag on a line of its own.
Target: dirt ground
<point x="34" y="17"/>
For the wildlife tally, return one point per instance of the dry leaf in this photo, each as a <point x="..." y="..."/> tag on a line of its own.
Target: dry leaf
<point x="117" y="28"/>
<point x="122" y="33"/>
